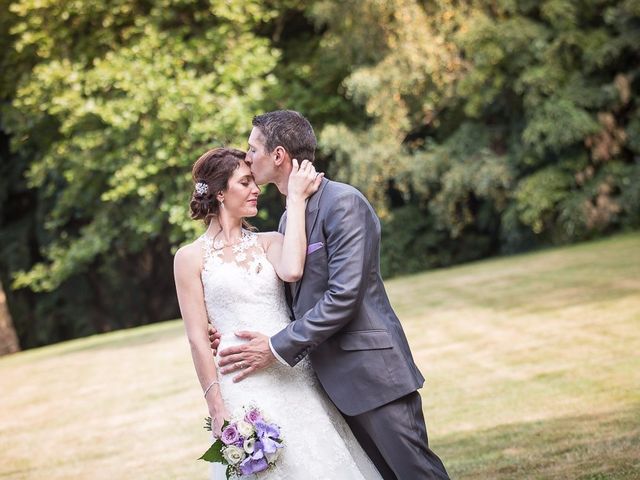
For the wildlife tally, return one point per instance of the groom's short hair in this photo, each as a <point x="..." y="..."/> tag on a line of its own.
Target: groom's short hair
<point x="290" y="130"/>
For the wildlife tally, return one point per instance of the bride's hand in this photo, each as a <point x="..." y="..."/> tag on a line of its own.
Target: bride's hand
<point x="217" y="420"/>
<point x="304" y="181"/>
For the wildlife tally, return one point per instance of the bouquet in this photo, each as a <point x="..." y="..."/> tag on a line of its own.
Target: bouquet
<point x="247" y="445"/>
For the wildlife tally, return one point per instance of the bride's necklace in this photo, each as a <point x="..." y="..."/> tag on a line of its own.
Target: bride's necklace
<point x="219" y="244"/>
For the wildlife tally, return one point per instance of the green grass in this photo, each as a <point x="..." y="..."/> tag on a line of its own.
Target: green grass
<point x="531" y="361"/>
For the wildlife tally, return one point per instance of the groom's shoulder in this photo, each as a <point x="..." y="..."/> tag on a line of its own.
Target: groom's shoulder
<point x="335" y="190"/>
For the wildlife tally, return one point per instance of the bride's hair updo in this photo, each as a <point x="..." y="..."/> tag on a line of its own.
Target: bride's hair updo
<point x="211" y="174"/>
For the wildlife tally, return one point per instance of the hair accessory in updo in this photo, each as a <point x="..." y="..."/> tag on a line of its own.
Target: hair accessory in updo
<point x="202" y="188"/>
<point x="211" y="174"/>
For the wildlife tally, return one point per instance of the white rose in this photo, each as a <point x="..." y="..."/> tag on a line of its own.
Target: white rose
<point x="249" y="445"/>
<point x="233" y="454"/>
<point x="244" y="428"/>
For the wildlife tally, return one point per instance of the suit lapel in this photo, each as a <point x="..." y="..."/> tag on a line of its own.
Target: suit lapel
<point x="311" y="215"/>
<point x="282" y="226"/>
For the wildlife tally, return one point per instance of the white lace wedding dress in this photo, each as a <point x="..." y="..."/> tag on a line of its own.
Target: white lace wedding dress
<point x="242" y="292"/>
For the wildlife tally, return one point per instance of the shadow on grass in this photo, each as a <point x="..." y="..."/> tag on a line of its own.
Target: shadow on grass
<point x="587" y="447"/>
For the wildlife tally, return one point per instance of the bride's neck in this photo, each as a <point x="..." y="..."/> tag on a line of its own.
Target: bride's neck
<point x="226" y="228"/>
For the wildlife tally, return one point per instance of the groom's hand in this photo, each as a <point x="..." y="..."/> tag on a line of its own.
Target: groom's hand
<point x="249" y="357"/>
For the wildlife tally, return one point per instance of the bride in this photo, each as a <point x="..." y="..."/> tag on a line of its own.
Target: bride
<point x="232" y="277"/>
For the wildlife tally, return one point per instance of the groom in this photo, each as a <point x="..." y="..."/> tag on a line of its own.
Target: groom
<point x="342" y="317"/>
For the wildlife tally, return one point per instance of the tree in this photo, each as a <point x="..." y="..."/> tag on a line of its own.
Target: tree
<point x="501" y="125"/>
<point x="513" y="123"/>
<point x="117" y="102"/>
<point x="8" y="338"/>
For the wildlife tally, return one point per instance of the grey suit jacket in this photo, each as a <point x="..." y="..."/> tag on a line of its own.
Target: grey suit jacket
<point x="342" y="316"/>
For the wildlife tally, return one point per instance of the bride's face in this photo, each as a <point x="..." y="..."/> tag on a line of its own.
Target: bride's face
<point x="241" y="195"/>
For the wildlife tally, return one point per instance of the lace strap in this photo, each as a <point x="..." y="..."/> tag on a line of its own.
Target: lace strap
<point x="207" y="248"/>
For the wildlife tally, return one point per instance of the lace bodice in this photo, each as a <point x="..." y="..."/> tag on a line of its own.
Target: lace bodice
<point x="241" y="288"/>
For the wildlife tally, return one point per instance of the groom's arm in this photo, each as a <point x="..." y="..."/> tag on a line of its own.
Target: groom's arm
<point x="352" y="242"/>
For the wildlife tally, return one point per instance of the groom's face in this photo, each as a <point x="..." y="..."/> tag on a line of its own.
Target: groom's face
<point x="261" y="161"/>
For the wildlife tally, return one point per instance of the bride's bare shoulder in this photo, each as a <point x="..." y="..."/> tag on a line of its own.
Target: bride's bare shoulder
<point x="189" y="256"/>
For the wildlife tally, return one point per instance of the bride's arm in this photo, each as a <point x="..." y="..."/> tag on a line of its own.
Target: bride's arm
<point x="287" y="252"/>
<point x="187" y="265"/>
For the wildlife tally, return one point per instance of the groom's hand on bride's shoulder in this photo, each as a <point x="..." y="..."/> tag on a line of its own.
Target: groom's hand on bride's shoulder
<point x="247" y="358"/>
<point x="214" y="339"/>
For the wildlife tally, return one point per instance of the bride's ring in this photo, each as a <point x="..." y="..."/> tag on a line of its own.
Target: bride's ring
<point x="242" y="365"/>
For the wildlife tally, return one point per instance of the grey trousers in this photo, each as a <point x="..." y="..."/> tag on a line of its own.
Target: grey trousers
<point x="395" y="438"/>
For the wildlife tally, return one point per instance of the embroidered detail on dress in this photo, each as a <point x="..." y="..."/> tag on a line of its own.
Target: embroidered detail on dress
<point x="247" y="254"/>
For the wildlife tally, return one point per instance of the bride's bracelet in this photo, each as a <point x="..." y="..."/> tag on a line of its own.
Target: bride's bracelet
<point x="215" y="382"/>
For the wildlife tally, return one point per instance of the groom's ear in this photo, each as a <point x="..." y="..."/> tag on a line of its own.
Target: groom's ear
<point x="280" y="155"/>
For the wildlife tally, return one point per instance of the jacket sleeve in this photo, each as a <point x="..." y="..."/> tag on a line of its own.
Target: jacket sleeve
<point x="352" y="234"/>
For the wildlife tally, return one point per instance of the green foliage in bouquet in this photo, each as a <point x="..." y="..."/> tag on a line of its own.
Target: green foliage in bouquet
<point x="214" y="453"/>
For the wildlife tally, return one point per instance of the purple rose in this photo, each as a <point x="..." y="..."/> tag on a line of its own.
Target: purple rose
<point x="230" y="435"/>
<point x="250" y="465"/>
<point x="252" y="416"/>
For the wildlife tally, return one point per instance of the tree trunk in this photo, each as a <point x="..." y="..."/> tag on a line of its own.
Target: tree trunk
<point x="8" y="338"/>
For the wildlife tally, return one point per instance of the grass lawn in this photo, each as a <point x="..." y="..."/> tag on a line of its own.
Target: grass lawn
<point x="531" y="361"/>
